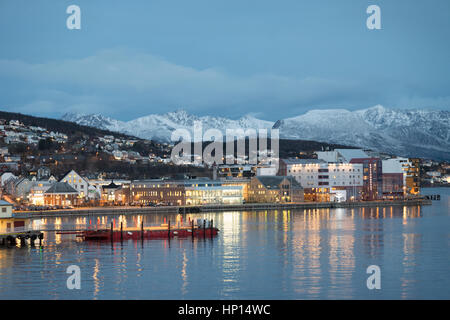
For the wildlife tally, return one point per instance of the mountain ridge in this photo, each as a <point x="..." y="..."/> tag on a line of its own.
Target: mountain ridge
<point x="412" y="133"/>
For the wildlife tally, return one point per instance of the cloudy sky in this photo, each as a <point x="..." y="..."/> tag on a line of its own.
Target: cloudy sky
<point x="273" y="59"/>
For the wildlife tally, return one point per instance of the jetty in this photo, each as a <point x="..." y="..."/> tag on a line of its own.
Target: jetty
<point x="30" y="236"/>
<point x="129" y="210"/>
<point x="13" y="228"/>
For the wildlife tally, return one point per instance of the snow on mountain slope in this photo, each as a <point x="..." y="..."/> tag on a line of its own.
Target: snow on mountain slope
<point x="160" y="127"/>
<point x="413" y="133"/>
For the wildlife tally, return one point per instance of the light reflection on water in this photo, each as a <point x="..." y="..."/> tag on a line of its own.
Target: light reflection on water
<point x="281" y="254"/>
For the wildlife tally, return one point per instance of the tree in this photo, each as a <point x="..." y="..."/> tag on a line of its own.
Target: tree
<point x="45" y="144"/>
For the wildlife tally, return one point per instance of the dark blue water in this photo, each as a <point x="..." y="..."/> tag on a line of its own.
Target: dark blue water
<point x="297" y="254"/>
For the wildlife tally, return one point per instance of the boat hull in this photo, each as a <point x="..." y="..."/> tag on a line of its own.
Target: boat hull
<point x="117" y="235"/>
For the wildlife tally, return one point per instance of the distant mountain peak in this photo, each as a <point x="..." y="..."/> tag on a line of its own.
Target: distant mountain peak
<point x="413" y="133"/>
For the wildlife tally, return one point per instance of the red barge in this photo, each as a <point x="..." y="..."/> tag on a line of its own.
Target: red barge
<point x="155" y="232"/>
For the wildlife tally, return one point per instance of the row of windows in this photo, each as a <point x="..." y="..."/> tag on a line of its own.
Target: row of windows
<point x="323" y="170"/>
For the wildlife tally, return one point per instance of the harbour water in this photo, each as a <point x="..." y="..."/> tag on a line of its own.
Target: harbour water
<point x="280" y="254"/>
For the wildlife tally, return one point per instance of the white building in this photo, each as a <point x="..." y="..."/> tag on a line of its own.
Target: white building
<point x="5" y="177"/>
<point x="320" y="177"/>
<point x="77" y="182"/>
<point x="5" y="209"/>
<point x="36" y="195"/>
<point x="396" y="165"/>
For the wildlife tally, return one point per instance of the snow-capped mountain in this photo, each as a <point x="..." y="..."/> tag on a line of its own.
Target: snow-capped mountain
<point x="413" y="133"/>
<point x="160" y="126"/>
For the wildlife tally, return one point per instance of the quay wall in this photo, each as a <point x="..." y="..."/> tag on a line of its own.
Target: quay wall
<point x="215" y="208"/>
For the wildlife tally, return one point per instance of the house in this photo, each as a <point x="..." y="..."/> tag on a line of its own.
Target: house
<point x="109" y="192"/>
<point x="5" y="177"/>
<point x="61" y="194"/>
<point x="77" y="182"/>
<point x="5" y="209"/>
<point x="21" y="188"/>
<point x="36" y="195"/>
<point x="43" y="172"/>
<point x="272" y="189"/>
<point x="8" y="223"/>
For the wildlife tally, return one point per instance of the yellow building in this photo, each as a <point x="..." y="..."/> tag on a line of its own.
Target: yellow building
<point x="8" y="223"/>
<point x="273" y="189"/>
<point x="413" y="177"/>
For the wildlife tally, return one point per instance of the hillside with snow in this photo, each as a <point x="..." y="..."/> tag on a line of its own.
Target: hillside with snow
<point x="412" y="133"/>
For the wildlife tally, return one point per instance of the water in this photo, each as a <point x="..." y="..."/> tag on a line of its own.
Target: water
<point x="297" y="254"/>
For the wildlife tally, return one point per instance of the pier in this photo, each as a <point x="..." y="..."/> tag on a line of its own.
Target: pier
<point x="11" y="238"/>
<point x="215" y="208"/>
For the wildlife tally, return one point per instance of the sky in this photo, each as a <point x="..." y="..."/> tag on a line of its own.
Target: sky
<point x="271" y="59"/>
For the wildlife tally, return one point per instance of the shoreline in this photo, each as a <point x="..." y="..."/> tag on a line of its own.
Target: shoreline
<point x="97" y="211"/>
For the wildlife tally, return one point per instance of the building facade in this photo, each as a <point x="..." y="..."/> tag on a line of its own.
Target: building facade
<point x="274" y="189"/>
<point x="320" y="179"/>
<point x="186" y="192"/>
<point x="62" y="194"/>
<point x="77" y="182"/>
<point x="372" y="177"/>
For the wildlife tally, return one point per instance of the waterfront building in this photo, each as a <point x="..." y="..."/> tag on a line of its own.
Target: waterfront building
<point x="37" y="191"/>
<point x="8" y="223"/>
<point x="186" y="192"/>
<point x="395" y="171"/>
<point x="275" y="189"/>
<point x="157" y="191"/>
<point x="6" y="209"/>
<point x="413" y="177"/>
<point x="372" y="177"/>
<point x="109" y="193"/>
<point x="409" y="170"/>
<point x="213" y="194"/>
<point x="243" y="183"/>
<point x="321" y="179"/>
<point x="61" y="194"/>
<point x="372" y="169"/>
<point x="122" y="194"/>
<point x="393" y="185"/>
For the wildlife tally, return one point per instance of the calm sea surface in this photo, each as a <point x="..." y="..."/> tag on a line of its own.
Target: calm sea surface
<point x="284" y="254"/>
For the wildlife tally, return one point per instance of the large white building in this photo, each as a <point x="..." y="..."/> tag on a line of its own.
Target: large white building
<point x="320" y="178"/>
<point x="77" y="182"/>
